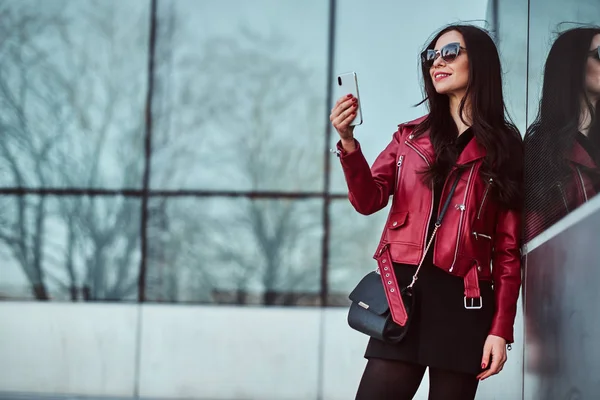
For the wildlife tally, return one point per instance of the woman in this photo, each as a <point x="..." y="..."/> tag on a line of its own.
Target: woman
<point x="562" y="158"/>
<point x="562" y="146"/>
<point x="459" y="332"/>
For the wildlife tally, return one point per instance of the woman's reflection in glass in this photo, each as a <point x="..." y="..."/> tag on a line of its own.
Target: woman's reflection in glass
<point x="562" y="146"/>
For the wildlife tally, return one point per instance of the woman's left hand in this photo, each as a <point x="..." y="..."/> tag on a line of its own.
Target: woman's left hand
<point x="495" y="346"/>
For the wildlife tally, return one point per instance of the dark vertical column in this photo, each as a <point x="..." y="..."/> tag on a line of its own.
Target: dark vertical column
<point x="524" y="266"/>
<point x="327" y="156"/>
<point x="148" y="151"/>
<point x="145" y="195"/>
<point x="496" y="21"/>
<point x="527" y="65"/>
<point x="327" y="199"/>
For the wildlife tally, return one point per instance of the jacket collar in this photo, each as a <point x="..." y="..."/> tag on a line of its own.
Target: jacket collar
<point x="472" y="152"/>
<point x="414" y="122"/>
<point x="580" y="156"/>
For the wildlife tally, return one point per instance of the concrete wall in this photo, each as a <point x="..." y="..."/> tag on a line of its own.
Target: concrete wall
<point x="193" y="352"/>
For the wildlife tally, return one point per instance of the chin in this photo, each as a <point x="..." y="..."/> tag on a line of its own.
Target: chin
<point x="449" y="89"/>
<point x="442" y="90"/>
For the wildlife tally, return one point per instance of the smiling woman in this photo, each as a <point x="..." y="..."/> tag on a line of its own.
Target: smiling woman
<point x="455" y="173"/>
<point x="449" y="66"/>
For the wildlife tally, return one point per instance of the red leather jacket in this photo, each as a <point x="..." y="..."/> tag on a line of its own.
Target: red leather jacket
<point x="476" y="231"/>
<point x="566" y="195"/>
<point x="582" y="185"/>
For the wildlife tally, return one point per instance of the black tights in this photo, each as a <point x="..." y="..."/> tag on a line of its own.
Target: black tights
<point x="397" y="380"/>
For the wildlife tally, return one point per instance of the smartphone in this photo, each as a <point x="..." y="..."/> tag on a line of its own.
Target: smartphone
<point x="347" y="83"/>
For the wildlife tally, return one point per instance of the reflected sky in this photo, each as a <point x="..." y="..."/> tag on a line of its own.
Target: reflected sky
<point x="211" y="139"/>
<point x="552" y="16"/>
<point x="382" y="45"/>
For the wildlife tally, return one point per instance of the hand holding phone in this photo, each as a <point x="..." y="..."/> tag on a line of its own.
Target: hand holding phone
<point x="346" y="113"/>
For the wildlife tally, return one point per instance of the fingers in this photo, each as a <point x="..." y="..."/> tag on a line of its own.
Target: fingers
<point x="487" y="351"/>
<point x="342" y="121"/>
<point x="343" y="114"/>
<point x="343" y="99"/>
<point x="498" y="360"/>
<point x="494" y="369"/>
<point x="342" y="105"/>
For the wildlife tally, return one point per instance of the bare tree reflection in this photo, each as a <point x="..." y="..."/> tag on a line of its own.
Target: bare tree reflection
<point x="70" y="90"/>
<point x="251" y="121"/>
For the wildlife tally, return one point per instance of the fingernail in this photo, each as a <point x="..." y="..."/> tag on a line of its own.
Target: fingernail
<point x="483" y="365"/>
<point x="349" y="96"/>
<point x="353" y="113"/>
<point x="354" y="105"/>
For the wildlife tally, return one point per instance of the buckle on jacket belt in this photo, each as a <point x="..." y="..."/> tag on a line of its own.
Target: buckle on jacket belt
<point x="473" y="306"/>
<point x="383" y="248"/>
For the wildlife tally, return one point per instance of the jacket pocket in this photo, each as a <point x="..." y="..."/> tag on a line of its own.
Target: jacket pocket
<point x="485" y="197"/>
<point x="482" y="248"/>
<point x="397" y="229"/>
<point x="397" y="220"/>
<point x="481" y="236"/>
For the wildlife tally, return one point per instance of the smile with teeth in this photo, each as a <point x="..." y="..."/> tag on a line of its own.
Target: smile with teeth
<point x="440" y="75"/>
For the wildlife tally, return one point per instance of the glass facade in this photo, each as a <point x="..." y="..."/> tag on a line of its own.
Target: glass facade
<point x="562" y="150"/>
<point x="179" y="151"/>
<point x="562" y="175"/>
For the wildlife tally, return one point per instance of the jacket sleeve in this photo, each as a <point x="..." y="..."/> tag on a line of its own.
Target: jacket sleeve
<point x="369" y="189"/>
<point x="506" y="272"/>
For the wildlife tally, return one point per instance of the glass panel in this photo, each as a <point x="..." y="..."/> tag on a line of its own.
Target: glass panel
<point x="234" y="251"/>
<point x="353" y="241"/>
<point x="72" y="93"/>
<point x="562" y="173"/>
<point x="69" y="248"/>
<point x="240" y="95"/>
<point x="387" y="64"/>
<point x="508" y="22"/>
<point x="562" y="147"/>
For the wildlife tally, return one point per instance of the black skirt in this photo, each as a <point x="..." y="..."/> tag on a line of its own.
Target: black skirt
<point x="443" y="334"/>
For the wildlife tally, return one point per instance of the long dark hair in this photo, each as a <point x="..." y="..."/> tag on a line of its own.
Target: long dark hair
<point x="489" y="122"/>
<point x="553" y="133"/>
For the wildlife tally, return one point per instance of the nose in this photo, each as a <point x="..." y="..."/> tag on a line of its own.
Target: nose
<point x="439" y="61"/>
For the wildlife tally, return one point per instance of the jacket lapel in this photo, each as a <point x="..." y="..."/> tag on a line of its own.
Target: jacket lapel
<point x="474" y="151"/>
<point x="579" y="156"/>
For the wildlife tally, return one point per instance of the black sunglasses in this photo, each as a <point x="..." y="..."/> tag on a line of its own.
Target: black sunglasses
<point x="448" y="53"/>
<point x="595" y="53"/>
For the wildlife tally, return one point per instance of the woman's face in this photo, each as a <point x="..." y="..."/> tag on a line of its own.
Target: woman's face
<point x="451" y="78"/>
<point x="592" y="71"/>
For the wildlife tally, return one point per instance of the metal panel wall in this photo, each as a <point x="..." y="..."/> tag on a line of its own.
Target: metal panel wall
<point x="562" y="328"/>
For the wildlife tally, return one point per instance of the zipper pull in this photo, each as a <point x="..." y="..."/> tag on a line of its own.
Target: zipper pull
<point x="460" y="207"/>
<point x="400" y="161"/>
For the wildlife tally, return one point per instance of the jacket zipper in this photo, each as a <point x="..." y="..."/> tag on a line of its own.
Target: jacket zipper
<point x="400" y="160"/>
<point x="562" y="194"/>
<point x="432" y="195"/>
<point x="462" y="207"/>
<point x="487" y="189"/>
<point x="585" y="196"/>
<point x="478" y="235"/>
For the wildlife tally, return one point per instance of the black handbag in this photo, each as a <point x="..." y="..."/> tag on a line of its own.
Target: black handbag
<point x="369" y="312"/>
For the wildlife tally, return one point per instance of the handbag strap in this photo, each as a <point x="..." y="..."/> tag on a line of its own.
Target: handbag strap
<point x="438" y="223"/>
